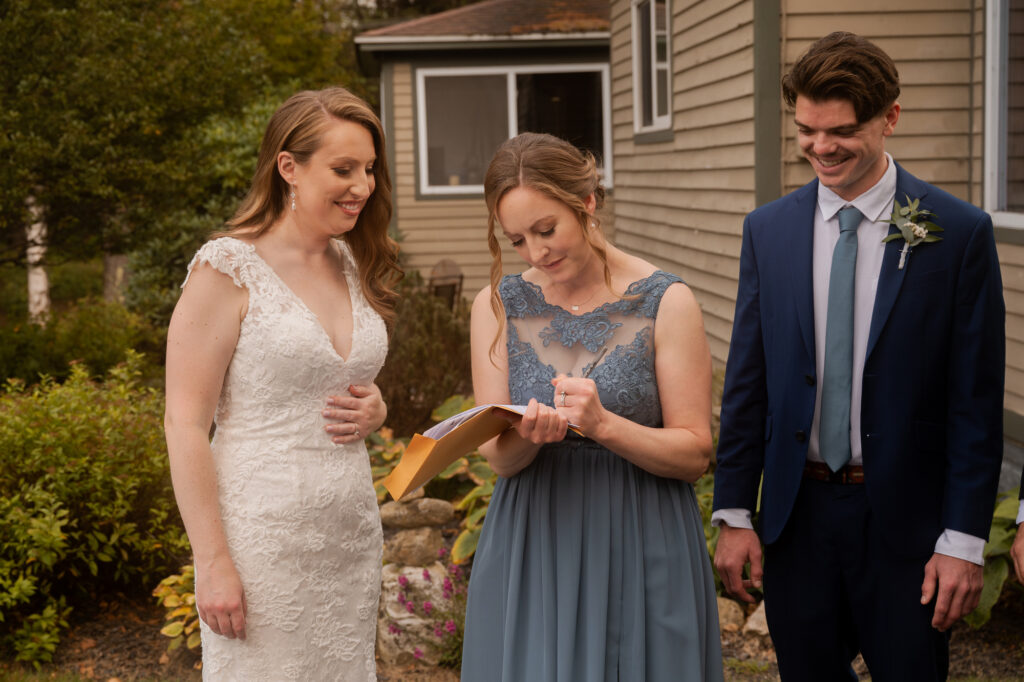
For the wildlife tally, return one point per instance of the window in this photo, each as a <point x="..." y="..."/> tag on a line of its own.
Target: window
<point x="465" y="113"/>
<point x="651" y="73"/>
<point x="1004" y="113"/>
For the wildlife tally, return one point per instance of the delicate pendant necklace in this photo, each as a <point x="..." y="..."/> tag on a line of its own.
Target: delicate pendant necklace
<point x="575" y="307"/>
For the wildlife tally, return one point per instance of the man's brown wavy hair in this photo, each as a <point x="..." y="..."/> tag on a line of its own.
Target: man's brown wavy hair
<point x="848" y="67"/>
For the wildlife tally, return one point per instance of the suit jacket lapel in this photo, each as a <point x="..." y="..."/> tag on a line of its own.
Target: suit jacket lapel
<point x="800" y="245"/>
<point x="891" y="278"/>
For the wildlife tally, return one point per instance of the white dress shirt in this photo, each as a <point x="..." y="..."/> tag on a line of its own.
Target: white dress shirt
<point x="876" y="206"/>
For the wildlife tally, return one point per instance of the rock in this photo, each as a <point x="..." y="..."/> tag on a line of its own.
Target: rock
<point x="402" y="631"/>
<point x="426" y="511"/>
<point x="757" y="623"/>
<point x="730" y="615"/>
<point x="414" y="547"/>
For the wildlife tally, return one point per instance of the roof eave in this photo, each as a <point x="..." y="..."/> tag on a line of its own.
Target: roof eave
<point x="482" y="41"/>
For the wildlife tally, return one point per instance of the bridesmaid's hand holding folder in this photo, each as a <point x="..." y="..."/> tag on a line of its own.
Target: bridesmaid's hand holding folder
<point x="429" y="454"/>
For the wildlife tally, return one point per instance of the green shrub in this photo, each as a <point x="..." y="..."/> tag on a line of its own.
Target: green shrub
<point x="998" y="564"/>
<point x="86" y="504"/>
<point x="428" y="357"/>
<point x="95" y="333"/>
<point x="177" y="594"/>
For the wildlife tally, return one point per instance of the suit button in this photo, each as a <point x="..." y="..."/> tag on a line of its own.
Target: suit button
<point x="809" y="379"/>
<point x="801" y="436"/>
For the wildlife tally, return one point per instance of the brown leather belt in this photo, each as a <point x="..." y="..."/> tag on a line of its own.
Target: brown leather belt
<point x="819" y="471"/>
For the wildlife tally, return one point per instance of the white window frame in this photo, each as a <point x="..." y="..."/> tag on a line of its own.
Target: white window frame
<point x="997" y="20"/>
<point x="663" y="122"/>
<point x="510" y="72"/>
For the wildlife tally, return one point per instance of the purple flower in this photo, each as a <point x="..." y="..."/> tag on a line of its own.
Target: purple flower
<point x="394" y="629"/>
<point x="417" y="653"/>
<point x="403" y="581"/>
<point x="401" y="598"/>
<point x="441" y="553"/>
<point x="409" y="607"/>
<point x="438" y="632"/>
<point x="426" y="575"/>
<point x="427" y="607"/>
<point x="450" y="627"/>
<point x="447" y="584"/>
<point x="456" y="571"/>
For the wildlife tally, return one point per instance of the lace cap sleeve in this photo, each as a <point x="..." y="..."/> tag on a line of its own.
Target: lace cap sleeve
<point x="230" y="256"/>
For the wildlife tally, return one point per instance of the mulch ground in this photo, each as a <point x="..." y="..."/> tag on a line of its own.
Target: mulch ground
<point x="122" y="641"/>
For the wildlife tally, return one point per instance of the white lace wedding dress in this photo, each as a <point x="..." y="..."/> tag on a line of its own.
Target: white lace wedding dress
<point x="299" y="512"/>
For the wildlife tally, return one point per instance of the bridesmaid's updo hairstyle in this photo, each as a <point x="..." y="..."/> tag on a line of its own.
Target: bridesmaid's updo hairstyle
<point x="551" y="166"/>
<point x="298" y="127"/>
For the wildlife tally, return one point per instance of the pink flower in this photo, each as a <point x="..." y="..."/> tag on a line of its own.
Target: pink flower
<point x="438" y="632"/>
<point x="427" y="607"/>
<point x="426" y="575"/>
<point x="403" y="581"/>
<point x="394" y="629"/>
<point x="401" y="598"/>
<point x="409" y="607"/>
<point x="441" y="553"/>
<point x="447" y="584"/>
<point x="450" y="627"/>
<point x="455" y="571"/>
<point x="417" y="653"/>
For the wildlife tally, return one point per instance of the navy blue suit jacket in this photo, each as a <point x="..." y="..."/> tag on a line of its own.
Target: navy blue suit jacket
<point x="931" y="407"/>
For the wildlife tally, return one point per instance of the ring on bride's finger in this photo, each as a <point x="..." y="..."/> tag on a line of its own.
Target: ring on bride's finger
<point x="562" y="395"/>
<point x="356" y="432"/>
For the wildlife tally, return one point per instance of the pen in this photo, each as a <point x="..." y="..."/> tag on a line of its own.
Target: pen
<point x="595" y="362"/>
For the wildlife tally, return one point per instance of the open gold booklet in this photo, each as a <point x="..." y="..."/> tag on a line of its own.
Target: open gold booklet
<point x="429" y="454"/>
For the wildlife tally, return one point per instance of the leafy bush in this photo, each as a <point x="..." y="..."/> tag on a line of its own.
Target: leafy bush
<point x="93" y="333"/>
<point x="86" y="504"/>
<point x="998" y="564"/>
<point x="177" y="594"/>
<point x="428" y="358"/>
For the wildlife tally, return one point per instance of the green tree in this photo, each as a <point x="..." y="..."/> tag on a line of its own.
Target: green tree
<point x="100" y="95"/>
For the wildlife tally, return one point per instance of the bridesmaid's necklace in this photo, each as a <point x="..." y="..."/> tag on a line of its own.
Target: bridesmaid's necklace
<point x="575" y="307"/>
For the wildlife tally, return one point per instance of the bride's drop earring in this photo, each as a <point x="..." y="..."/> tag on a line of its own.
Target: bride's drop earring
<point x="292" y="196"/>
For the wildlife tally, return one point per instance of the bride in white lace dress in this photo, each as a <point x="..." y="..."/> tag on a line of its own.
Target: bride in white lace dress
<point x="277" y="338"/>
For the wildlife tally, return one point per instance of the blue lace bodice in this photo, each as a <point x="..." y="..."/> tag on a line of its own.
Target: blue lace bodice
<point x="545" y="340"/>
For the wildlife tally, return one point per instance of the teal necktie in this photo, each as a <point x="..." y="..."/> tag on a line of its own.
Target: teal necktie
<point x="834" y="422"/>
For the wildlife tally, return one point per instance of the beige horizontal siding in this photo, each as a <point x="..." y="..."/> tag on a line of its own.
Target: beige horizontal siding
<point x="680" y="203"/>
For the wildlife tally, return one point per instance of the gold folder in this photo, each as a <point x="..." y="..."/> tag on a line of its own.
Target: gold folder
<point x="426" y="457"/>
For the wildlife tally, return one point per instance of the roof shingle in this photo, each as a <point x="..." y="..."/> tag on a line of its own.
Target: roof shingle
<point x="505" y="18"/>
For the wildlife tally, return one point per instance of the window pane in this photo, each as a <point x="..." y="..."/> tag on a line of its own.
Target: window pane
<point x="646" y="95"/>
<point x="662" y="92"/>
<point x="467" y="118"/>
<point x="564" y="104"/>
<point x="1015" y="111"/>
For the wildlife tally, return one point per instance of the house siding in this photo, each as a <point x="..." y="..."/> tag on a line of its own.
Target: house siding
<point x="680" y="203"/>
<point x="1011" y="257"/>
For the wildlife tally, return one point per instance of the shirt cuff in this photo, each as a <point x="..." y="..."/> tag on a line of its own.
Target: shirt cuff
<point x="1020" y="513"/>
<point x="961" y="546"/>
<point x="734" y="518"/>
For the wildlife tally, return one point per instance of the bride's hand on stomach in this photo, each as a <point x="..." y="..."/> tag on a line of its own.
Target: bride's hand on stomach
<point x="355" y="416"/>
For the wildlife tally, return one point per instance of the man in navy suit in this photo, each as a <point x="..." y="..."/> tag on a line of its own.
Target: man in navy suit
<point x="865" y="385"/>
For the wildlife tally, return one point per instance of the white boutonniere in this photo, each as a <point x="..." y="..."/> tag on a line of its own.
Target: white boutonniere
<point x="915" y="226"/>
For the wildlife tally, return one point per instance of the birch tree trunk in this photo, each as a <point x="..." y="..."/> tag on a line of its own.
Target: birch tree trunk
<point x="38" y="281"/>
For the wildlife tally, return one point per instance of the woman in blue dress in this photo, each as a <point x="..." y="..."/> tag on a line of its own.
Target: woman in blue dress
<point x="592" y="565"/>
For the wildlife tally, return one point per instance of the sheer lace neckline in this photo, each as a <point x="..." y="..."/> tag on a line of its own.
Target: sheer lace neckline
<point x="302" y="304"/>
<point x="633" y="289"/>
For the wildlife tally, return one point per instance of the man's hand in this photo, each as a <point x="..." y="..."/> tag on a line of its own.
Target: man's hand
<point x="956" y="586"/>
<point x="736" y="548"/>
<point x="1017" y="552"/>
